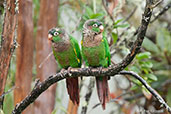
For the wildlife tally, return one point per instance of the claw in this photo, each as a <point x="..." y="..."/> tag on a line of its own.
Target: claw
<point x="100" y="69"/>
<point x="90" y="68"/>
<point x="62" y="72"/>
<point x="69" y="70"/>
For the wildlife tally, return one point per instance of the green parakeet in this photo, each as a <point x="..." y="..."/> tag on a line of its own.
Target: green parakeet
<point x="96" y="53"/>
<point x="67" y="53"/>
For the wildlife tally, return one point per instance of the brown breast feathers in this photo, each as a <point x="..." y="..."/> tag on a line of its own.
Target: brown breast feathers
<point x="90" y="41"/>
<point x="61" y="46"/>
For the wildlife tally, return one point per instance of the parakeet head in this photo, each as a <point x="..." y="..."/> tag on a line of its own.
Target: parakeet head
<point x="57" y="35"/>
<point x="93" y="27"/>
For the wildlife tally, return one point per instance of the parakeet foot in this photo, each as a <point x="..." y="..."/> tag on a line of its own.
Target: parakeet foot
<point x="100" y="69"/>
<point x="69" y="70"/>
<point x="62" y="72"/>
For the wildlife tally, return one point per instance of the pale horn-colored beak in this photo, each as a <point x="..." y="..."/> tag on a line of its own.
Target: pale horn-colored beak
<point x="49" y="37"/>
<point x="101" y="28"/>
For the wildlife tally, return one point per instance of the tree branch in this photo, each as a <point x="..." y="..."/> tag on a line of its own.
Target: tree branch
<point x="105" y="7"/>
<point x="130" y="15"/>
<point x="5" y="93"/>
<point x="75" y="72"/>
<point x="150" y="89"/>
<point x="161" y="12"/>
<point x="156" y="17"/>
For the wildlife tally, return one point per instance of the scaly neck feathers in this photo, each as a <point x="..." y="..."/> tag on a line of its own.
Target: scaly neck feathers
<point x="91" y="39"/>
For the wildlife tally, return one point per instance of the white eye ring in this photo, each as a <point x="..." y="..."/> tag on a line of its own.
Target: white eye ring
<point x="56" y="33"/>
<point x="95" y="25"/>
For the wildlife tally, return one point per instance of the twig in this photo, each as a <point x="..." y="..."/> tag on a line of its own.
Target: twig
<point x="139" y="94"/>
<point x="161" y="12"/>
<point x="36" y="82"/>
<point x="116" y="99"/>
<point x="75" y="72"/>
<point x="150" y="89"/>
<point x="51" y="53"/>
<point x="87" y="96"/>
<point x="156" y="4"/>
<point x="136" y="96"/>
<point x="103" y="2"/>
<point x="167" y="82"/>
<point x="3" y="95"/>
<point x="10" y="90"/>
<point x="130" y="15"/>
<point x="77" y="24"/>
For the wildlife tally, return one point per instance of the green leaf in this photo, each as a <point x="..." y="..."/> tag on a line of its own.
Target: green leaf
<point x="150" y="46"/>
<point x="134" y="87"/>
<point x="146" y="93"/>
<point x="118" y="21"/>
<point x="121" y="26"/>
<point x="151" y="76"/>
<point x="54" y="111"/>
<point x="146" y="64"/>
<point x="126" y="68"/>
<point x="89" y="11"/>
<point x="146" y="70"/>
<point x="135" y="69"/>
<point x="145" y="78"/>
<point x="115" y="37"/>
<point x="143" y="55"/>
<point x="85" y="17"/>
<point x="96" y="16"/>
<point x="137" y="82"/>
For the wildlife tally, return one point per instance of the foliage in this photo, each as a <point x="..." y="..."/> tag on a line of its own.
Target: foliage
<point x="143" y="66"/>
<point x="89" y="14"/>
<point x="152" y="63"/>
<point x="161" y="58"/>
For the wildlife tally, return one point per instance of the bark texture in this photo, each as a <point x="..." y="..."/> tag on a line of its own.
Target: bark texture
<point x="7" y="42"/>
<point x="47" y="19"/>
<point x="24" y="52"/>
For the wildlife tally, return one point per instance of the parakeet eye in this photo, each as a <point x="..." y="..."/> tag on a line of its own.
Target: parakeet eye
<point x="95" y="25"/>
<point x="56" y="33"/>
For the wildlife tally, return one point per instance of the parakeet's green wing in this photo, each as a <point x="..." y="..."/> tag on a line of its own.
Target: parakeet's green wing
<point x="84" y="58"/>
<point x="107" y="49"/>
<point x="76" y="50"/>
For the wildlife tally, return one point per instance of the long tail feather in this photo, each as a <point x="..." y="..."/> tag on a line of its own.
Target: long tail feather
<point x="102" y="90"/>
<point x="73" y="89"/>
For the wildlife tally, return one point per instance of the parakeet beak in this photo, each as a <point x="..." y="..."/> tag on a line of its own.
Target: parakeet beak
<point x="101" y="28"/>
<point x="50" y="37"/>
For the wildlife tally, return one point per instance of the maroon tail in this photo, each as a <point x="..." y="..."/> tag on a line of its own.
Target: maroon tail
<point x="102" y="90"/>
<point x="73" y="89"/>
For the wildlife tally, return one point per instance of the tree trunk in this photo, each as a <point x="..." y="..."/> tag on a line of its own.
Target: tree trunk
<point x="47" y="19"/>
<point x="7" y="43"/>
<point x="24" y="52"/>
